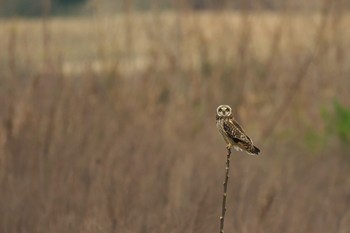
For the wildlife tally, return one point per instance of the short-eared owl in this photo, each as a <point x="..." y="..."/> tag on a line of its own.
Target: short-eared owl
<point x="232" y="132"/>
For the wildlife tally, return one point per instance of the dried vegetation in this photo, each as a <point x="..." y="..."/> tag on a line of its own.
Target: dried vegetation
<point x="108" y="124"/>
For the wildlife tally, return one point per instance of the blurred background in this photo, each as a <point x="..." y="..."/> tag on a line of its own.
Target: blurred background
<point x="107" y="115"/>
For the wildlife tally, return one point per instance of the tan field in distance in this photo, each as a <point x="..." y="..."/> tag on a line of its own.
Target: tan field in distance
<point x="120" y="41"/>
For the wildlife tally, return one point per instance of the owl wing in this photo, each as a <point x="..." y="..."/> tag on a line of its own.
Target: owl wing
<point x="241" y="129"/>
<point x="236" y="132"/>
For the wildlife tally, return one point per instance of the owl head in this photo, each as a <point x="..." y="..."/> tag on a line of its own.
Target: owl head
<point x="224" y="111"/>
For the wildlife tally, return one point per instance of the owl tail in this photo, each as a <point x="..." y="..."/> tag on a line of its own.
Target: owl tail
<point x="255" y="150"/>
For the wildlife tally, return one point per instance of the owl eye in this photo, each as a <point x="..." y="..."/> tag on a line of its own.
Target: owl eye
<point x="220" y="110"/>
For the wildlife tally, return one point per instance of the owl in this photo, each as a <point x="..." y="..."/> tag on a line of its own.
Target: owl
<point x="232" y="132"/>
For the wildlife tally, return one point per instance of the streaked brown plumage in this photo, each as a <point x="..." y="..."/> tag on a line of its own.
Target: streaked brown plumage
<point x="232" y="132"/>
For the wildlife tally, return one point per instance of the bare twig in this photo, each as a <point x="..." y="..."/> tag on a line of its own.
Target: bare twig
<point x="223" y="211"/>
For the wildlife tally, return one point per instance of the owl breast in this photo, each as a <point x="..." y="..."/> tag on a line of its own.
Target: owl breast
<point x="220" y="126"/>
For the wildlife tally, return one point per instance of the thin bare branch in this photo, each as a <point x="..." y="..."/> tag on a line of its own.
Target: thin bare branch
<point x="223" y="210"/>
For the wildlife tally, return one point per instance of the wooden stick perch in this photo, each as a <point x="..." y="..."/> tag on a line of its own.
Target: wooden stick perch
<point x="223" y="211"/>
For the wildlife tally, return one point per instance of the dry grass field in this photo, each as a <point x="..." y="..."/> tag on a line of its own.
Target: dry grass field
<point x="107" y="124"/>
